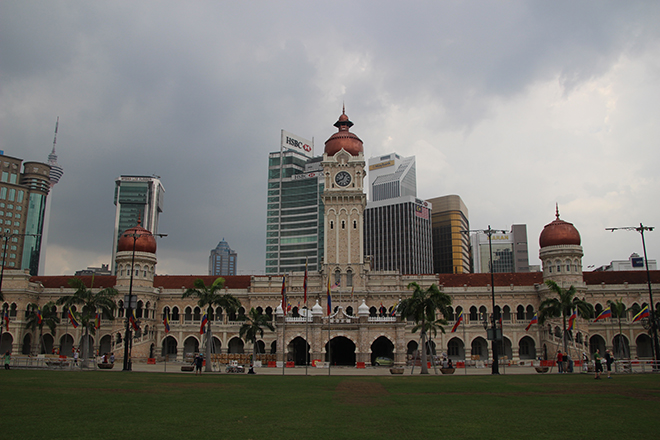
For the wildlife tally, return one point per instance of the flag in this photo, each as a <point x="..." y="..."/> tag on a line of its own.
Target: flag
<point x="337" y="284"/>
<point x="500" y="321"/>
<point x="459" y="318"/>
<point x="329" y="298"/>
<point x="422" y="212"/>
<point x="393" y="310"/>
<point x="131" y="319"/>
<point x="644" y="313"/>
<point x="6" y="319"/>
<point x="305" y="282"/>
<point x="382" y="310"/>
<point x="97" y="321"/>
<point x="606" y="313"/>
<point x="205" y="320"/>
<point x="535" y="319"/>
<point x="288" y="307"/>
<point x="72" y="318"/>
<point x="39" y="317"/>
<point x="166" y="323"/>
<point x="571" y="320"/>
<point x="283" y="295"/>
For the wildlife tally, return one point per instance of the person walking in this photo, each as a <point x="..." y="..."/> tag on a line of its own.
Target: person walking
<point x="75" y="356"/>
<point x="609" y="360"/>
<point x="198" y="362"/>
<point x="7" y="358"/>
<point x="560" y="363"/>
<point x="597" y="362"/>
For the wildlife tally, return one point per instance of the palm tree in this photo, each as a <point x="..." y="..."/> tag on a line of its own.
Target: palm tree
<point x="253" y="328"/>
<point x="101" y="301"/>
<point x="209" y="297"/>
<point x="563" y="307"/>
<point x="421" y="307"/>
<point x="48" y="317"/>
<point x="618" y="309"/>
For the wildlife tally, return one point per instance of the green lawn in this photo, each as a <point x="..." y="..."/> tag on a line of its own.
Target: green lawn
<point x="101" y="404"/>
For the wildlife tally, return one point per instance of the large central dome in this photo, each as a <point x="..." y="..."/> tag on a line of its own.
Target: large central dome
<point x="559" y="232"/>
<point x="137" y="236"/>
<point x="343" y="139"/>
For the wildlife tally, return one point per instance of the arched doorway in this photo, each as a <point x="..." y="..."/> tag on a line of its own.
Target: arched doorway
<point x="190" y="347"/>
<point x="456" y="349"/>
<point x="382" y="347"/>
<point x="504" y="348"/>
<point x="47" y="343"/>
<point x="66" y="345"/>
<point x="596" y="342"/>
<point x="342" y="351"/>
<point x="644" y="346"/>
<point x="216" y="346"/>
<point x="621" y="347"/>
<point x="87" y="343"/>
<point x="300" y="349"/>
<point x="6" y="343"/>
<point x="169" y="348"/>
<point x="105" y="344"/>
<point x="236" y="346"/>
<point x="480" y="349"/>
<point x="27" y="344"/>
<point x="527" y="348"/>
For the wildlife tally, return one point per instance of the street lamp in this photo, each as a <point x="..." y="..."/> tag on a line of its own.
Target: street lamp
<point x="128" y="336"/>
<point x="493" y="334"/>
<point x="653" y="319"/>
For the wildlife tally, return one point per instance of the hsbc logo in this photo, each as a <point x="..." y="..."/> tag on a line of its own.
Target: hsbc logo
<point x="300" y="145"/>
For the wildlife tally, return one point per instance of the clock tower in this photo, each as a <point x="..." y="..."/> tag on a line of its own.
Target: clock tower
<point x="344" y="201"/>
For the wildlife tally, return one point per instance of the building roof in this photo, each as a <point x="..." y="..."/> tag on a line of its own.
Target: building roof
<point x="483" y="279"/>
<point x="186" y="281"/>
<point x="57" y="281"/>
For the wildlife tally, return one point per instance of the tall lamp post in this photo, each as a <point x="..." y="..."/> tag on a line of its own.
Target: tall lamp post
<point x="128" y="335"/>
<point x="494" y="334"/>
<point x="653" y="319"/>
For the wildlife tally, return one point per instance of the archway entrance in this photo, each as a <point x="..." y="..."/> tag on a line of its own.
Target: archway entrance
<point x="66" y="345"/>
<point x="644" y="346"/>
<point x="596" y="342"/>
<point x="236" y="346"/>
<point x="190" y="347"/>
<point x="382" y="347"/>
<point x="455" y="349"/>
<point x="105" y="344"/>
<point x="169" y="348"/>
<point x="6" y="343"/>
<point x="480" y="349"/>
<point x="621" y="347"/>
<point x="300" y="349"/>
<point x="47" y="343"/>
<point x="527" y="348"/>
<point x="27" y="344"/>
<point x="342" y="351"/>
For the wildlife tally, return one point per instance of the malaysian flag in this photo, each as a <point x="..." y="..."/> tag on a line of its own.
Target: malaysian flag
<point x="422" y="212"/>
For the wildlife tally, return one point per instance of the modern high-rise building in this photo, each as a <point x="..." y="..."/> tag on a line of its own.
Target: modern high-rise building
<point x="451" y="243"/>
<point x="56" y="172"/>
<point x="22" y="211"/>
<point x="222" y="261"/>
<point x="294" y="223"/>
<point x="398" y="235"/>
<point x="392" y="176"/>
<point x="509" y="251"/>
<point x="138" y="199"/>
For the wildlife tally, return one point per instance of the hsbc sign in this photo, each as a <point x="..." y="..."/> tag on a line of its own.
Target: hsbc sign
<point x="292" y="142"/>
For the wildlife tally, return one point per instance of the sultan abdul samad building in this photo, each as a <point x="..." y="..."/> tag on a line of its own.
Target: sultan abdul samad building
<point x="361" y="326"/>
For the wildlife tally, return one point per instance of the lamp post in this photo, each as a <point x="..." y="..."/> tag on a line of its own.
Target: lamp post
<point x="128" y="335"/>
<point x="493" y="335"/>
<point x="653" y="319"/>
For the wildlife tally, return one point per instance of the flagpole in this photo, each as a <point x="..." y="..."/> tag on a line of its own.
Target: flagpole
<point x="329" y="307"/>
<point x="464" y="348"/>
<point x="284" y="306"/>
<point x="306" y="319"/>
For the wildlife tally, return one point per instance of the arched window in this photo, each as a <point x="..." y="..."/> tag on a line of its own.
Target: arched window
<point x="166" y="313"/>
<point x="175" y="313"/>
<point x="218" y="314"/>
<point x="530" y="312"/>
<point x="520" y="313"/>
<point x="337" y="278"/>
<point x="188" y="314"/>
<point x="138" y="309"/>
<point x="349" y="278"/>
<point x="558" y="264"/>
<point x="137" y="270"/>
<point x="483" y="312"/>
<point x="474" y="315"/>
<point x="568" y="265"/>
<point x="332" y="224"/>
<point x="373" y="311"/>
<point x="197" y="314"/>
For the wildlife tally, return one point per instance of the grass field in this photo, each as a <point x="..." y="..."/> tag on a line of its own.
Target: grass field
<point x="100" y="405"/>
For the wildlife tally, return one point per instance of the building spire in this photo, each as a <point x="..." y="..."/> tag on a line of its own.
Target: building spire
<point x="56" y="171"/>
<point x="557" y="210"/>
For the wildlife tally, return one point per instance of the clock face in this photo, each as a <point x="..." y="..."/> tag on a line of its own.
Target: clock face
<point x="342" y="178"/>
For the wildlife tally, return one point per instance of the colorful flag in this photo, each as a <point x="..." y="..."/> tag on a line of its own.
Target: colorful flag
<point x="382" y="310"/>
<point x="97" y="321"/>
<point x="534" y="320"/>
<point x="329" y="298"/>
<point x="459" y="319"/>
<point x="571" y="320"/>
<point x="305" y="283"/>
<point x="72" y="318"/>
<point x="421" y="212"/>
<point x="6" y="319"/>
<point x="132" y="320"/>
<point x="606" y="313"/>
<point x="205" y="320"/>
<point x="39" y="317"/>
<point x="644" y="313"/>
<point x="393" y="310"/>
<point x="166" y="323"/>
<point x="283" y="295"/>
<point x="337" y="284"/>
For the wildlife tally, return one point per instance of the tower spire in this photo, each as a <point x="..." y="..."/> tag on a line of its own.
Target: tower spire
<point x="557" y="210"/>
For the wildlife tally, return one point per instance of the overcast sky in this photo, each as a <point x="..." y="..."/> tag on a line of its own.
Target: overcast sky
<point x="514" y="106"/>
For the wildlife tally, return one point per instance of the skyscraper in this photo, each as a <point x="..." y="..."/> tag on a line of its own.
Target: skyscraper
<point x="451" y="247"/>
<point x="138" y="198"/>
<point x="56" y="172"/>
<point x="392" y="176"/>
<point x="294" y="223"/>
<point x="509" y="251"/>
<point x="22" y="211"/>
<point x="222" y="261"/>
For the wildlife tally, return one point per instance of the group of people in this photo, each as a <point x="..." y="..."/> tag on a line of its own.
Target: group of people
<point x="104" y="358"/>
<point x="598" y="361"/>
<point x="564" y="362"/>
<point x="198" y="361"/>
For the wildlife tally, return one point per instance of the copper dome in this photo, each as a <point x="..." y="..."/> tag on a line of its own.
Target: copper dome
<point x="559" y="232"/>
<point x="343" y="138"/>
<point x="145" y="241"/>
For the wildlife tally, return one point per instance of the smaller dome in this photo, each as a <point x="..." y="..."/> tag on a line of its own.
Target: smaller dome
<point x="343" y="139"/>
<point x="317" y="310"/>
<point x="559" y="232"/>
<point x="363" y="310"/>
<point x="142" y="238"/>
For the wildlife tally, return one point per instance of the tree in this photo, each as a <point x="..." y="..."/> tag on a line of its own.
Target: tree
<point x="209" y="296"/>
<point x="563" y="307"/>
<point x="101" y="301"/>
<point x="49" y="318"/>
<point x="422" y="307"/>
<point x="619" y="310"/>
<point x="253" y="328"/>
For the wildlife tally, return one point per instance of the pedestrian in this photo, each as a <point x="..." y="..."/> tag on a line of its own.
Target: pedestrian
<point x="112" y="358"/>
<point x="75" y="356"/>
<point x="198" y="361"/>
<point x="7" y="358"/>
<point x="609" y="360"/>
<point x="599" y="366"/>
<point x="585" y="362"/>
<point x="560" y="362"/>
